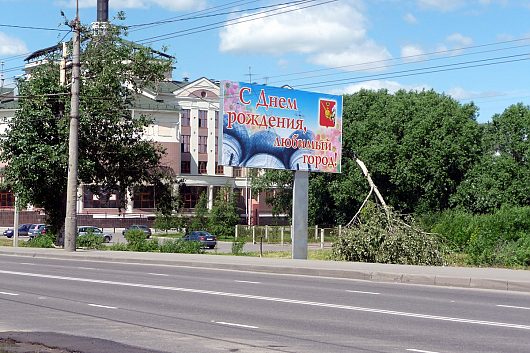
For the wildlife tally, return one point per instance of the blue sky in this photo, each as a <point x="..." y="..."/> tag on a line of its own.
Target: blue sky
<point x="452" y="46"/>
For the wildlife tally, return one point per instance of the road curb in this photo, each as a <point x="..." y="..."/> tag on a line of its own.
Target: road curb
<point x="461" y="281"/>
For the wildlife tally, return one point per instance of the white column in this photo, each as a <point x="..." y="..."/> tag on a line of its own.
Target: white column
<point x="210" y="197"/>
<point x="80" y="206"/>
<point x="130" y="201"/>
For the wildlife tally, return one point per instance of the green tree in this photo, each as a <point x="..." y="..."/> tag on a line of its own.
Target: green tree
<point x="502" y="175"/>
<point x="224" y="214"/>
<point x="417" y="147"/>
<point x="200" y="218"/>
<point x="282" y="183"/>
<point x="112" y="154"/>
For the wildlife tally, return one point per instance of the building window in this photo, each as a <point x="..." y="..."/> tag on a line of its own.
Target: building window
<point x="203" y="144"/>
<point x="7" y="200"/>
<point x="185" y="117"/>
<point x="100" y="199"/>
<point x="203" y="167"/>
<point x="185" y="144"/>
<point x="216" y="119"/>
<point x="144" y="197"/>
<point x="185" y="167"/>
<point x="191" y="194"/>
<point x="219" y="169"/>
<point x="203" y="118"/>
<point x="238" y="172"/>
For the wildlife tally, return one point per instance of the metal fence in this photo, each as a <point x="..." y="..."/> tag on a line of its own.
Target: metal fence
<point x="282" y="234"/>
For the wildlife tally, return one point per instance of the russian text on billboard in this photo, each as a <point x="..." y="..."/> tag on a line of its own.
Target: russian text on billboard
<point x="272" y="127"/>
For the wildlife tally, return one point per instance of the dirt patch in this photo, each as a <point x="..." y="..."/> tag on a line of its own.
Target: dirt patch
<point x="8" y="345"/>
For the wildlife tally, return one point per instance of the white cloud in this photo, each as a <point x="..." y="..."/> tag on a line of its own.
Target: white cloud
<point x="282" y="63"/>
<point x="410" y="18"/>
<point x="412" y="52"/>
<point x="441" y="5"/>
<point x="331" y="35"/>
<point x="460" y="93"/>
<point x="459" y="40"/>
<point x="375" y="85"/>
<point x="366" y="56"/>
<point x="174" y="5"/>
<point x="11" y="45"/>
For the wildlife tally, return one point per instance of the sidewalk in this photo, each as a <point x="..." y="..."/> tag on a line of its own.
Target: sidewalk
<point x="466" y="277"/>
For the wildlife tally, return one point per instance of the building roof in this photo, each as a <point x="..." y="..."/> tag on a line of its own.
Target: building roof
<point x="7" y="99"/>
<point x="143" y="102"/>
<point x="43" y="52"/>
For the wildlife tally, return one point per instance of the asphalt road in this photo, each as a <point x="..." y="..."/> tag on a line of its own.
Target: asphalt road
<point x="103" y="306"/>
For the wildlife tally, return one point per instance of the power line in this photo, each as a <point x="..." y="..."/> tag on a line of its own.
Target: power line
<point x="221" y="24"/>
<point x="393" y="65"/>
<point x="209" y="15"/>
<point x="36" y="28"/>
<point x="176" y="18"/>
<point x="407" y="73"/>
<point x="410" y="57"/>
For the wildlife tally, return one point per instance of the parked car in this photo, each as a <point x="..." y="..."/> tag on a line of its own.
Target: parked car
<point x="22" y="230"/>
<point x="36" y="229"/>
<point x="84" y="230"/>
<point x="141" y="227"/>
<point x="208" y="240"/>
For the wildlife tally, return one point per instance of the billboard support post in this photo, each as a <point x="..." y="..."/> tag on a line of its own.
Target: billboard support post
<point x="300" y="214"/>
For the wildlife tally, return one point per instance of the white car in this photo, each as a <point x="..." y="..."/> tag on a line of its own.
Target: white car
<point x="85" y="230"/>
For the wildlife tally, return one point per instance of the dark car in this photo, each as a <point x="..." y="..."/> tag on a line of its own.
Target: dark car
<point x="142" y="227"/>
<point x="22" y="230"/>
<point x="85" y="230"/>
<point x="208" y="240"/>
<point x="36" y="229"/>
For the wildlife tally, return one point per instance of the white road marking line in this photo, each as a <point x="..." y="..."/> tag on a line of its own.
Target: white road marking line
<point x="102" y="306"/>
<point x="7" y="293"/>
<point x="277" y="300"/>
<point x="26" y="263"/>
<point x="158" y="274"/>
<point x="514" y="307"/>
<point x="420" y="351"/>
<point x="358" y="291"/>
<point x="251" y="282"/>
<point x="86" y="268"/>
<point x="232" y="324"/>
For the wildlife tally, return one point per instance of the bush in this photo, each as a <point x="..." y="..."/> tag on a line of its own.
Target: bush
<point x="238" y="245"/>
<point x="181" y="246"/>
<point x="456" y="227"/>
<point x="40" y="241"/>
<point x="137" y="241"/>
<point x="90" y="241"/>
<point x="501" y="239"/>
<point x="167" y="222"/>
<point x="498" y="239"/>
<point x="377" y="238"/>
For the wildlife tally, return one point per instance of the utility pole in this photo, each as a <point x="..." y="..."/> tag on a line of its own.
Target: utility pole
<point x="70" y="223"/>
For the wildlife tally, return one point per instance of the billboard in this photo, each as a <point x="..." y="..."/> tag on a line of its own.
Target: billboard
<point x="279" y="128"/>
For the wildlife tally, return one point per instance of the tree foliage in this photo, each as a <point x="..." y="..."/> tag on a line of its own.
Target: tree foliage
<point x="113" y="156"/>
<point x="417" y="147"/>
<point x="282" y="183"/>
<point x="502" y="175"/>
<point x="199" y="221"/>
<point x="224" y="214"/>
<point x="382" y="238"/>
